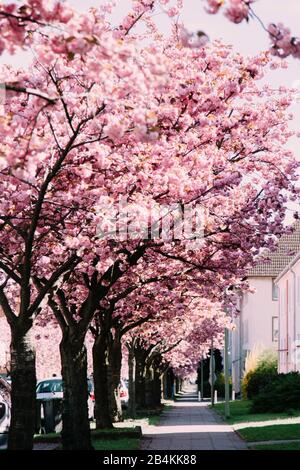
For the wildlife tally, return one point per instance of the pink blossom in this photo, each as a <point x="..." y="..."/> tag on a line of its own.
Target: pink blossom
<point x="115" y="129"/>
<point x="214" y="6"/>
<point x="237" y="11"/>
<point x="173" y="11"/>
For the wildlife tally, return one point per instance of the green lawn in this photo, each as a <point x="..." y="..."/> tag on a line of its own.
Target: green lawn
<point x="51" y="435"/>
<point x="104" y="439"/>
<point x="153" y="420"/>
<point x="290" y="446"/>
<point x="116" y="444"/>
<point x="114" y="433"/>
<point x="111" y="439"/>
<point x="152" y="415"/>
<point x="117" y="432"/>
<point x="114" y="439"/>
<point x="271" y="433"/>
<point x="240" y="412"/>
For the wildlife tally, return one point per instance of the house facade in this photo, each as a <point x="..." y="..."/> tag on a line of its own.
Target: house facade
<point x="288" y="283"/>
<point x="258" y="324"/>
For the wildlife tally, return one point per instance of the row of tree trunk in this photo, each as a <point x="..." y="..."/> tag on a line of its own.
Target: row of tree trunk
<point x="145" y="385"/>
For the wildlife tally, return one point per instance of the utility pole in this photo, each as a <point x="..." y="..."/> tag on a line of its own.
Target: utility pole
<point x="202" y="380"/>
<point x="212" y="373"/>
<point x="226" y="373"/>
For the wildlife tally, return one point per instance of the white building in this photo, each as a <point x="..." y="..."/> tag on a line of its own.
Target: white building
<point x="288" y="283"/>
<point x="258" y="323"/>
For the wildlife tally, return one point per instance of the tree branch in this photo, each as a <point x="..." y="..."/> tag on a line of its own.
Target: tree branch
<point x="69" y="264"/>
<point x="31" y="91"/>
<point x="10" y="273"/>
<point x="10" y="315"/>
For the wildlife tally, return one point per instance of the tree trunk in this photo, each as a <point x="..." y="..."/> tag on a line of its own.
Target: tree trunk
<point x="169" y="384"/>
<point x="164" y="385"/>
<point x="149" y="387"/>
<point x="157" y="387"/>
<point x="114" y="376"/>
<point x="140" y="389"/>
<point x="23" y="393"/>
<point x="76" y="426"/>
<point x="100" y="367"/>
<point x="131" y="384"/>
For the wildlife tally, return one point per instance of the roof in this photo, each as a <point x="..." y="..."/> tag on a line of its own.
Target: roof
<point x="288" y="267"/>
<point x="288" y="247"/>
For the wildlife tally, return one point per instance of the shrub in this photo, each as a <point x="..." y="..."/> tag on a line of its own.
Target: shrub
<point x="252" y="358"/>
<point x="280" y="395"/>
<point x="256" y="379"/>
<point x="220" y="385"/>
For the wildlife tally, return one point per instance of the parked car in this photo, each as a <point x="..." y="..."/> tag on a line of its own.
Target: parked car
<point x="53" y="388"/>
<point x="6" y="377"/>
<point x="5" y="412"/>
<point x="51" y="391"/>
<point x="91" y="399"/>
<point x="124" y="393"/>
<point x="49" y="388"/>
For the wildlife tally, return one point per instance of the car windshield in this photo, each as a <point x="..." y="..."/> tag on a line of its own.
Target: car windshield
<point x="50" y="386"/>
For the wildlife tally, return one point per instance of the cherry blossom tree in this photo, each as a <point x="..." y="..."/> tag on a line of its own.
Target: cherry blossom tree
<point x="132" y="303"/>
<point x="154" y="295"/>
<point x="57" y="139"/>
<point x="101" y="115"/>
<point x="177" y="342"/>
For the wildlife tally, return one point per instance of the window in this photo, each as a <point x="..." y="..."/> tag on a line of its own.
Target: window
<point x="51" y="386"/>
<point x="245" y="330"/>
<point x="275" y="329"/>
<point x="274" y="290"/>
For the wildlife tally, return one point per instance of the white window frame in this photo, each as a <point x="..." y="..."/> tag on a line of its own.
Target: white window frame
<point x="274" y="290"/>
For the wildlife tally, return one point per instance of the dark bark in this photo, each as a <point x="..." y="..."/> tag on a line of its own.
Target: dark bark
<point x="114" y="375"/>
<point x="157" y="388"/>
<point x="76" y="426"/>
<point x="149" y="402"/>
<point x="169" y="384"/>
<point x="177" y="385"/>
<point x="140" y="385"/>
<point x="23" y="393"/>
<point x="153" y="386"/>
<point x="100" y="368"/>
<point x="131" y="382"/>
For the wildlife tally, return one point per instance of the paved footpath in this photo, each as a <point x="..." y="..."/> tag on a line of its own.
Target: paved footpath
<point x="190" y="425"/>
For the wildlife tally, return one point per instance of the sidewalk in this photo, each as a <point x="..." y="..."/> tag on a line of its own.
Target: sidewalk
<point x="190" y="425"/>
